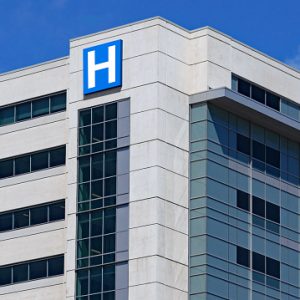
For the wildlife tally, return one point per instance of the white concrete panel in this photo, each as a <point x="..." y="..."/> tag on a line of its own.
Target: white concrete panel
<point x="198" y="78"/>
<point x="41" y="245"/>
<point x="157" y="211"/>
<point x="48" y="288"/>
<point x="217" y="76"/>
<point x="158" y="240"/>
<point x="33" y="192"/>
<point x="135" y="43"/>
<point x="158" y="269"/>
<point x="33" y="139"/>
<point x="198" y="51"/>
<point x="164" y="126"/>
<point x="159" y="153"/>
<point x="156" y="291"/>
<point x="34" y="82"/>
<point x="157" y="182"/>
<point x="71" y="284"/>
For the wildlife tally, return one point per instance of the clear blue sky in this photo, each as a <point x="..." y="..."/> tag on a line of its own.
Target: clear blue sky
<point x="33" y="31"/>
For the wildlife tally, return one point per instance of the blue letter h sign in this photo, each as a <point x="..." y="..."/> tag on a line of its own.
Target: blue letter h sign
<point x="102" y="67"/>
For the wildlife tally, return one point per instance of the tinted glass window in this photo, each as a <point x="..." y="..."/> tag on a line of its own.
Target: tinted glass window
<point x="111" y="111"/>
<point x="83" y="225"/>
<point x="40" y="107"/>
<point x="109" y="243"/>
<point x="109" y="220"/>
<point x="57" y="157"/>
<point x="5" y="222"/>
<point x="273" y="212"/>
<point x="98" y="114"/>
<point x="258" y="262"/>
<point x="108" y="278"/>
<point x="258" y="206"/>
<point x="111" y="129"/>
<point x="110" y="186"/>
<point x="82" y="282"/>
<point x="258" y="150"/>
<point x="258" y="94"/>
<point x="56" y="266"/>
<point x="97" y="189"/>
<point x="84" y="169"/>
<point x="22" y="165"/>
<point x="20" y="273"/>
<point x="273" y="101"/>
<point x="85" y="135"/>
<point x="273" y="267"/>
<point x="244" y="87"/>
<point x="273" y="157"/>
<point x="110" y="163"/>
<point x="23" y="111"/>
<point x="242" y="256"/>
<point x="57" y="211"/>
<point x="243" y="200"/>
<point x="6" y="168"/>
<point x="5" y="276"/>
<point x="21" y="218"/>
<point x="7" y="115"/>
<point x="96" y="246"/>
<point x="58" y="103"/>
<point x="39" y="161"/>
<point x="85" y="117"/>
<point x="97" y="133"/>
<point x="96" y="280"/>
<point x="38" y="215"/>
<point x="97" y="166"/>
<point x="38" y="269"/>
<point x="243" y="144"/>
<point x="96" y="226"/>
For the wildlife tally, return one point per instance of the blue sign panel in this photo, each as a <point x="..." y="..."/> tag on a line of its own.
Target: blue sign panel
<point x="102" y="67"/>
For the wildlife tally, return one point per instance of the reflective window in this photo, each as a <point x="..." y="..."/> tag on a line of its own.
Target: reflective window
<point x="7" y="116"/>
<point x="32" y="270"/>
<point x="57" y="157"/>
<point x="243" y="200"/>
<point x="20" y="273"/>
<point x="259" y="206"/>
<point x="22" y="165"/>
<point x="32" y="216"/>
<point x="56" y="266"/>
<point x="273" y="101"/>
<point x="244" y="87"/>
<point x="258" y="262"/>
<point x="243" y="144"/>
<point x="39" y="161"/>
<point x="6" y="168"/>
<point x="23" y="111"/>
<point x="273" y="267"/>
<point x="32" y="108"/>
<point x="57" y="103"/>
<point x="40" y="107"/>
<point x="258" y="94"/>
<point x="38" y="215"/>
<point x="273" y="212"/>
<point x="38" y="269"/>
<point x="242" y="256"/>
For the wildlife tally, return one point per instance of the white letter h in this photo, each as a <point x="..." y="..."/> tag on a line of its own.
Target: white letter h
<point x="93" y="67"/>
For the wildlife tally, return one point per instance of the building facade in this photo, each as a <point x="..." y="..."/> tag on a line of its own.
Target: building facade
<point x="176" y="178"/>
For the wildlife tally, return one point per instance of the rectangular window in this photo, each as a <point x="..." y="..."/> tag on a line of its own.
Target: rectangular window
<point x="32" y="270"/>
<point x="7" y="116"/>
<point x="258" y="151"/>
<point x="273" y="157"/>
<point x="57" y="103"/>
<point x="57" y="157"/>
<point x="242" y="256"/>
<point x="258" y="262"/>
<point x="259" y="206"/>
<point x="243" y="144"/>
<point x="32" y="108"/>
<point x="273" y="267"/>
<point x="273" y="101"/>
<point x="243" y="200"/>
<point x="39" y="161"/>
<point x="258" y="94"/>
<point x="273" y="212"/>
<point x="40" y="107"/>
<point x="23" y="111"/>
<point x="32" y="216"/>
<point x="22" y="165"/>
<point x="244" y="87"/>
<point x="6" y="168"/>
